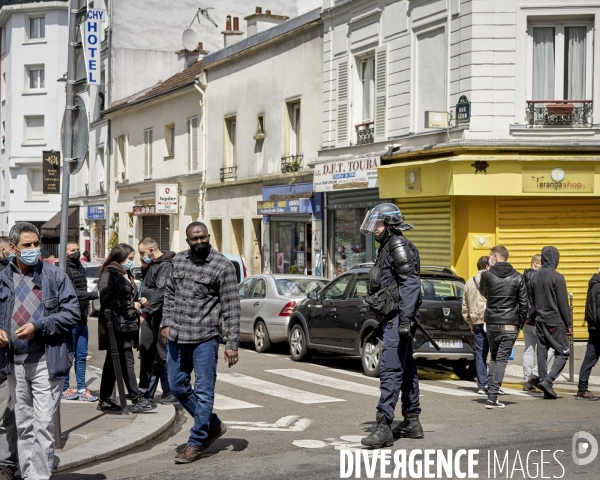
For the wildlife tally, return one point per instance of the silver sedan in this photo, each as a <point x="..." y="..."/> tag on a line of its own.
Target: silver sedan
<point x="267" y="302"/>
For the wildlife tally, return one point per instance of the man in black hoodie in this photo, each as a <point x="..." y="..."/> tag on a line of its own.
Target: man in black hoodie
<point x="553" y="319"/>
<point x="153" y="353"/>
<point x="505" y="314"/>
<point x="592" y="317"/>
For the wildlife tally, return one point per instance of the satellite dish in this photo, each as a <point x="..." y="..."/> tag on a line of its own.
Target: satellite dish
<point x="189" y="39"/>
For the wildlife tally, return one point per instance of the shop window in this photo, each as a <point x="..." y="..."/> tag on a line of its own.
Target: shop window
<point x="148" y="154"/>
<point x="291" y="247"/>
<point x="350" y="246"/>
<point x="34" y="129"/>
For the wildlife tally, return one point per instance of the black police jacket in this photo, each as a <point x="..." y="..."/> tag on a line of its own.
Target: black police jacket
<point x="592" y="304"/>
<point x="506" y="295"/>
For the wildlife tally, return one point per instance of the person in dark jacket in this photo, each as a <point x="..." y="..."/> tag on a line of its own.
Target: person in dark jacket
<point x="553" y="319"/>
<point x="76" y="273"/>
<point x="153" y="354"/>
<point x="38" y="310"/>
<point x="118" y="293"/>
<point x="505" y="314"/>
<point x="592" y="317"/>
<point x="5" y="254"/>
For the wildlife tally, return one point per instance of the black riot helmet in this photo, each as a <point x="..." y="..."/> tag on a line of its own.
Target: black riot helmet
<point x="386" y="214"/>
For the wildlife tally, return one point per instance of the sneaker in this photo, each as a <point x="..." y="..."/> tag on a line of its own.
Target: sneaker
<point x="70" y="394"/>
<point x="108" y="405"/>
<point x="549" y="393"/>
<point x="188" y="454"/>
<point x="501" y="392"/>
<point x="534" y="380"/>
<point x="169" y="399"/>
<point x="213" y="435"/>
<point x="587" y="395"/>
<point x="496" y="404"/>
<point x="142" y="405"/>
<point x="528" y="387"/>
<point x="482" y="391"/>
<point x="87" y="397"/>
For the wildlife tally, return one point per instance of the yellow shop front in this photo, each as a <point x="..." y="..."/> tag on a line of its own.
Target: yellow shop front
<point x="462" y="205"/>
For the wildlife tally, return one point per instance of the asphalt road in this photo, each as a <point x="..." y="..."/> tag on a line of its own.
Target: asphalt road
<point x="298" y="434"/>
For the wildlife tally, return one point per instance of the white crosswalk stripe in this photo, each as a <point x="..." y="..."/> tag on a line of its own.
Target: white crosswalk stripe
<point x="327" y="381"/>
<point x="508" y="391"/>
<point x="226" y="403"/>
<point x="274" y="389"/>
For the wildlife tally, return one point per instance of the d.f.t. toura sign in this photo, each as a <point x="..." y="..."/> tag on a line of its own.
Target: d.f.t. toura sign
<point x="346" y="174"/>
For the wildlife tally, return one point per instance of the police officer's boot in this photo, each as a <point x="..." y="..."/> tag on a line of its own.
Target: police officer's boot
<point x="409" y="428"/>
<point x="382" y="434"/>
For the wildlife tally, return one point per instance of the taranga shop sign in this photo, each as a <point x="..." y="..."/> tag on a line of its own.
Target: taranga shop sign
<point x="557" y="180"/>
<point x="346" y="174"/>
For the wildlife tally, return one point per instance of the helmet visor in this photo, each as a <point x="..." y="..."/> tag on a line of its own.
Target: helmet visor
<point x="373" y="221"/>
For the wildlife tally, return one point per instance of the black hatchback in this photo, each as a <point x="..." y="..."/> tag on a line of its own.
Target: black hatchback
<point x="338" y="320"/>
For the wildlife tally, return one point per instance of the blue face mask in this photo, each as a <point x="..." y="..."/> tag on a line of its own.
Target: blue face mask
<point x="146" y="259"/>
<point x="8" y="256"/>
<point x="30" y="256"/>
<point x="128" y="264"/>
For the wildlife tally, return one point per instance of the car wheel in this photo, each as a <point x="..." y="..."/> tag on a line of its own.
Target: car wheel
<point x="465" y="370"/>
<point x="298" y="349"/>
<point x="262" y="342"/>
<point x="371" y="358"/>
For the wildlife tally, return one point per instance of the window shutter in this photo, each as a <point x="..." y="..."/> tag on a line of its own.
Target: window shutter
<point x="189" y="129"/>
<point x="343" y="106"/>
<point x="148" y="153"/>
<point x="194" y="149"/>
<point x="380" y="93"/>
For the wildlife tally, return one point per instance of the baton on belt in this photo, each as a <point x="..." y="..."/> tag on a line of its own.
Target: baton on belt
<point x="571" y="343"/>
<point x="114" y="353"/>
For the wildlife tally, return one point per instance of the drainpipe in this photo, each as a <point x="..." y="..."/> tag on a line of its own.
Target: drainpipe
<point x="200" y="85"/>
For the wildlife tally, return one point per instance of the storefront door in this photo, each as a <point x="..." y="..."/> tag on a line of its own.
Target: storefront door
<point x="291" y="247"/>
<point x="158" y="228"/>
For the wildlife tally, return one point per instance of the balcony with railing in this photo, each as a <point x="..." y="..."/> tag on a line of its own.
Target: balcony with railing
<point x="559" y="113"/>
<point x="228" y="173"/>
<point x="292" y="163"/>
<point x="365" y="133"/>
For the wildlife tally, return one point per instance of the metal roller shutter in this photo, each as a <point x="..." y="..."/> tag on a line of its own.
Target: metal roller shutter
<point x="572" y="225"/>
<point x="432" y="235"/>
<point x="157" y="227"/>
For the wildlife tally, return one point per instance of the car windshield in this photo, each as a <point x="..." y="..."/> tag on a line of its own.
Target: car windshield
<point x="441" y="289"/>
<point x="92" y="272"/>
<point x="298" y="287"/>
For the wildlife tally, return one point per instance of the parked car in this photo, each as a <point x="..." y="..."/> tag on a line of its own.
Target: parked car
<point x="267" y="302"/>
<point x="337" y="319"/>
<point x="239" y="265"/>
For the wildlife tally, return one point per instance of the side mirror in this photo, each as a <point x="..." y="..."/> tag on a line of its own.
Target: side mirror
<point x="313" y="295"/>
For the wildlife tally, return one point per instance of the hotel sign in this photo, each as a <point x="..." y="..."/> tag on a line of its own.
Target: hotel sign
<point x="557" y="180"/>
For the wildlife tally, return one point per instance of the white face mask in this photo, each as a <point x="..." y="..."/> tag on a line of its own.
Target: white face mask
<point x="490" y="263"/>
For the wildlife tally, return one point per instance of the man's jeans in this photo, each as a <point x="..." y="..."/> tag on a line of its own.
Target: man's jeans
<point x="590" y="360"/>
<point x="202" y="359"/>
<point x="8" y="429"/>
<point x="80" y="348"/>
<point x="36" y="399"/>
<point x="159" y="373"/>
<point x="501" y="339"/>
<point x="529" y="358"/>
<point x="482" y="350"/>
<point x="552" y="336"/>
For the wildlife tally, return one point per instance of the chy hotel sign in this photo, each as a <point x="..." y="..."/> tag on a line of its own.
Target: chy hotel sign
<point x="557" y="180"/>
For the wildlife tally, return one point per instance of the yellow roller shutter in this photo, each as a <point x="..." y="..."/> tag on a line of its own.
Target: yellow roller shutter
<point x="525" y="225"/>
<point x="432" y="235"/>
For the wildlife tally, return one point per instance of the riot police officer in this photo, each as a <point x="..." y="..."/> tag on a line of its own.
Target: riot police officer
<point x="398" y="369"/>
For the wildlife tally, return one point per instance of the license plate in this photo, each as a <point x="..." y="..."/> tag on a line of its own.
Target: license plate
<point x="446" y="343"/>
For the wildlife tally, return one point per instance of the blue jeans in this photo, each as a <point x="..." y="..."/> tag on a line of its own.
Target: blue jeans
<point x="482" y="348"/>
<point x="202" y="359"/>
<point x="159" y="373"/>
<point x="80" y="348"/>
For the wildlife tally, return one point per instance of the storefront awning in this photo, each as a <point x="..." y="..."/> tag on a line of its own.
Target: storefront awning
<point x="52" y="227"/>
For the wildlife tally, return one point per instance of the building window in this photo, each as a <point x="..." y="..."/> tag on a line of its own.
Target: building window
<point x="37" y="28"/>
<point x="35" y="77"/>
<point x="148" y="153"/>
<point x="294" y="146"/>
<point x="170" y="140"/>
<point x="230" y="142"/>
<point x="34" y="129"/>
<point x="121" y="158"/>
<point x="192" y="127"/>
<point x="35" y="183"/>
<point x="561" y="61"/>
<point x="367" y="78"/>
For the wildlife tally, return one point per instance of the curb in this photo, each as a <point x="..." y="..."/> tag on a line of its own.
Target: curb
<point x="145" y="427"/>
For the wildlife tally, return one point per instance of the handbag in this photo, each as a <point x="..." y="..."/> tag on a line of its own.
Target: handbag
<point x="125" y="324"/>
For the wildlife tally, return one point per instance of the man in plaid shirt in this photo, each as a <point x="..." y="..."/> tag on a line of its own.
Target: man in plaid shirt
<point x="202" y="288"/>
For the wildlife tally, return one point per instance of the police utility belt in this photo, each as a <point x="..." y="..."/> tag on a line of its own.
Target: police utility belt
<point x="383" y="299"/>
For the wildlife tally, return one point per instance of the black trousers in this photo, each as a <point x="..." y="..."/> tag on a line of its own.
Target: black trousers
<point x="127" y="362"/>
<point x="590" y="360"/>
<point x="150" y="349"/>
<point x="551" y="336"/>
<point x="501" y="339"/>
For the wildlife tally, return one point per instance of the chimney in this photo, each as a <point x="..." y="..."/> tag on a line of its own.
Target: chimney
<point x="231" y="36"/>
<point x="259" y="22"/>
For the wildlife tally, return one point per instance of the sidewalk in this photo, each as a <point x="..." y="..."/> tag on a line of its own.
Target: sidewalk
<point x="89" y="434"/>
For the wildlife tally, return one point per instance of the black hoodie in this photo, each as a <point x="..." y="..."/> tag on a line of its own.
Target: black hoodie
<point x="592" y="304"/>
<point x="549" y="291"/>
<point x="153" y="286"/>
<point x="504" y="289"/>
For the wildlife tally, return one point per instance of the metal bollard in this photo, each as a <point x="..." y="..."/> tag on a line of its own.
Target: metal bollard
<point x="114" y="353"/>
<point x="58" y="442"/>
<point x="571" y="344"/>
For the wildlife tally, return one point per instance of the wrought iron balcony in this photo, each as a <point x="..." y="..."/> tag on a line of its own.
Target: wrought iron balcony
<point x="102" y="188"/>
<point x="228" y="173"/>
<point x="365" y="133"/>
<point x="570" y="113"/>
<point x="293" y="163"/>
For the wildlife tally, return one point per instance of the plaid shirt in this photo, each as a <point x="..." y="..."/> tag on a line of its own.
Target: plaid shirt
<point x="196" y="295"/>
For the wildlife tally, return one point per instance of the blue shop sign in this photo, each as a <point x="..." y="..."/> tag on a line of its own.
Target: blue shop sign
<point x="290" y="205"/>
<point x="95" y="212"/>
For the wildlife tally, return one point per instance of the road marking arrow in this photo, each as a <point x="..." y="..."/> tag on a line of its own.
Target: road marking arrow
<point x="291" y="423"/>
